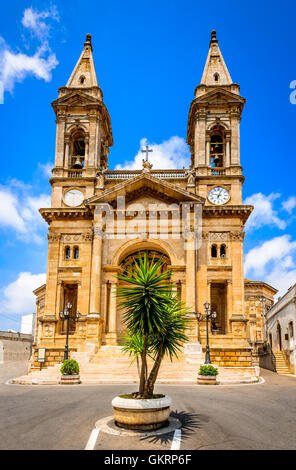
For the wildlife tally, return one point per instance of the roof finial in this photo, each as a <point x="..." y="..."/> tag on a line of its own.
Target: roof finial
<point x="88" y="41"/>
<point x="213" y="37"/>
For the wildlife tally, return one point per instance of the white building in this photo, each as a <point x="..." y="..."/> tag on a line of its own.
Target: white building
<point x="281" y="322"/>
<point x="28" y="323"/>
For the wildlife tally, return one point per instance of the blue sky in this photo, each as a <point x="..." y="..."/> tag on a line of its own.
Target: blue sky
<point x="149" y="57"/>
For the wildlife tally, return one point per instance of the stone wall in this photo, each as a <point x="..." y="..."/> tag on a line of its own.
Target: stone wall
<point x="15" y="347"/>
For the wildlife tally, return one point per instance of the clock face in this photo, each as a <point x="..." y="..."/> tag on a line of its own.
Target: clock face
<point x="218" y="195"/>
<point x="73" y="198"/>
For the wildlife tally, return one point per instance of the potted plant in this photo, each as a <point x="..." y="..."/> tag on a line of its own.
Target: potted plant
<point x="207" y="375"/>
<point x="70" y="372"/>
<point x="156" y="322"/>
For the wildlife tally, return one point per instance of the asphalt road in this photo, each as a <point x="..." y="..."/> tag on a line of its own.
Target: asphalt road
<point x="214" y="417"/>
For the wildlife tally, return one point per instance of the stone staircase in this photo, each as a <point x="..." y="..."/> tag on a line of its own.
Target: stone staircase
<point x="110" y="366"/>
<point x="280" y="364"/>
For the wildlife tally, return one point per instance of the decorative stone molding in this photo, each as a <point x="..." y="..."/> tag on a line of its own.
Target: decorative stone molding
<point x="54" y="236"/>
<point x="72" y="238"/>
<point x="87" y="236"/>
<point x="237" y="236"/>
<point x="219" y="236"/>
<point x="205" y="235"/>
<point x="77" y="237"/>
<point x="98" y="232"/>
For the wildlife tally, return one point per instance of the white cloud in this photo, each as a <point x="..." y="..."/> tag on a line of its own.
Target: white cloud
<point x="19" y="211"/>
<point x="289" y="204"/>
<point x="170" y="154"/>
<point x="33" y="20"/>
<point x="18" y="297"/>
<point x="263" y="213"/>
<point x="46" y="169"/>
<point x="273" y="262"/>
<point x="16" y="66"/>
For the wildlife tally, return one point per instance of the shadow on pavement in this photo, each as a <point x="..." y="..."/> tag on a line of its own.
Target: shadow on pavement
<point x="190" y="422"/>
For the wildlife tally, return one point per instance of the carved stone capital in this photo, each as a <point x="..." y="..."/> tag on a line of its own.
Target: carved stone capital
<point x="237" y="235"/>
<point x="54" y="236"/>
<point x="98" y="232"/>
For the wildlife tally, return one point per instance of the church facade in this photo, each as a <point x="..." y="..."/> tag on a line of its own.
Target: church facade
<point x="99" y="219"/>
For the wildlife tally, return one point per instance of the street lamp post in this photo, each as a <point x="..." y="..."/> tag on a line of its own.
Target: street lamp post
<point x="65" y="315"/>
<point x="209" y="315"/>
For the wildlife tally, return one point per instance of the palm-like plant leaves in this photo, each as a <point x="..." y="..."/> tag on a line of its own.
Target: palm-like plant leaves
<point x="156" y="320"/>
<point x="144" y="304"/>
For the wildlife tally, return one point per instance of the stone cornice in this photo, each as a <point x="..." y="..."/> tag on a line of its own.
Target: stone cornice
<point x="65" y="213"/>
<point x="242" y="212"/>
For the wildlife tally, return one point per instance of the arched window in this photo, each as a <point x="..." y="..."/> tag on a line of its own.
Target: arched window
<point x="76" y="252"/>
<point x="214" y="251"/>
<point x="67" y="252"/>
<point x="217" y="149"/>
<point x="223" y="251"/>
<point x="216" y="77"/>
<point x="82" y="79"/>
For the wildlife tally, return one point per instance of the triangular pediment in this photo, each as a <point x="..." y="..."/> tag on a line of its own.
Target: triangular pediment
<point x="144" y="188"/>
<point x="76" y="98"/>
<point x="218" y="96"/>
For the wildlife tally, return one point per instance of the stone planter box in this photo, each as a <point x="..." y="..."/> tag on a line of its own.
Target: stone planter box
<point x="70" y="379"/>
<point x="145" y="415"/>
<point x="207" y="379"/>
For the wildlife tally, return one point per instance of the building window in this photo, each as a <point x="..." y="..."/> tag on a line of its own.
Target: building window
<point x="214" y="251"/>
<point x="223" y="251"/>
<point x="216" y="77"/>
<point x="76" y="252"/>
<point x="67" y="252"/>
<point x="82" y="79"/>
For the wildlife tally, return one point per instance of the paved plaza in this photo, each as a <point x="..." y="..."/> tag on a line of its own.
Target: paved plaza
<point x="216" y="417"/>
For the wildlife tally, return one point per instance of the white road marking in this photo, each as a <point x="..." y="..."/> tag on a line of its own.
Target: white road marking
<point x="176" y="444"/>
<point x="92" y="439"/>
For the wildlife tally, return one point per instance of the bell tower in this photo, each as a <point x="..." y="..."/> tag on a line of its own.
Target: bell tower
<point x="83" y="134"/>
<point x="213" y="132"/>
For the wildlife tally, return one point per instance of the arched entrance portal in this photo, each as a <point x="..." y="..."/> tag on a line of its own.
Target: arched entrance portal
<point x="152" y="255"/>
<point x="125" y="265"/>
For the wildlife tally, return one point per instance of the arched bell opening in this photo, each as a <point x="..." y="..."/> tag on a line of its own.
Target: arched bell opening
<point x="78" y="147"/>
<point x="217" y="147"/>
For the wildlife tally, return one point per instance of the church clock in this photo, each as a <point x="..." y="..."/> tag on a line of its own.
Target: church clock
<point x="73" y="198"/>
<point x="218" y="195"/>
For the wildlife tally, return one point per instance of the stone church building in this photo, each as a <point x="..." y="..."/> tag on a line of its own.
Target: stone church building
<point x="100" y="218"/>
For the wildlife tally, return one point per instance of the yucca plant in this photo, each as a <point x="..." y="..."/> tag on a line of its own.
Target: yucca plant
<point x="155" y="319"/>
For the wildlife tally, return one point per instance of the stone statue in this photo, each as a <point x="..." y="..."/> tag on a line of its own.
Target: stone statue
<point x="190" y="177"/>
<point x="146" y="166"/>
<point x="101" y="178"/>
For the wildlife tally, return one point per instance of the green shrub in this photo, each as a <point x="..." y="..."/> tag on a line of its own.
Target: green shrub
<point x="208" y="370"/>
<point x="70" y="367"/>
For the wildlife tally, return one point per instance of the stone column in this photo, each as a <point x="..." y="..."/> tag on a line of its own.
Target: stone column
<point x="86" y="151"/>
<point x="208" y="142"/>
<point x="227" y="152"/>
<point x="52" y="273"/>
<point x="229" y="303"/>
<point x="111" y="336"/>
<point x="67" y="162"/>
<point x="96" y="267"/>
<point x="59" y="155"/>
